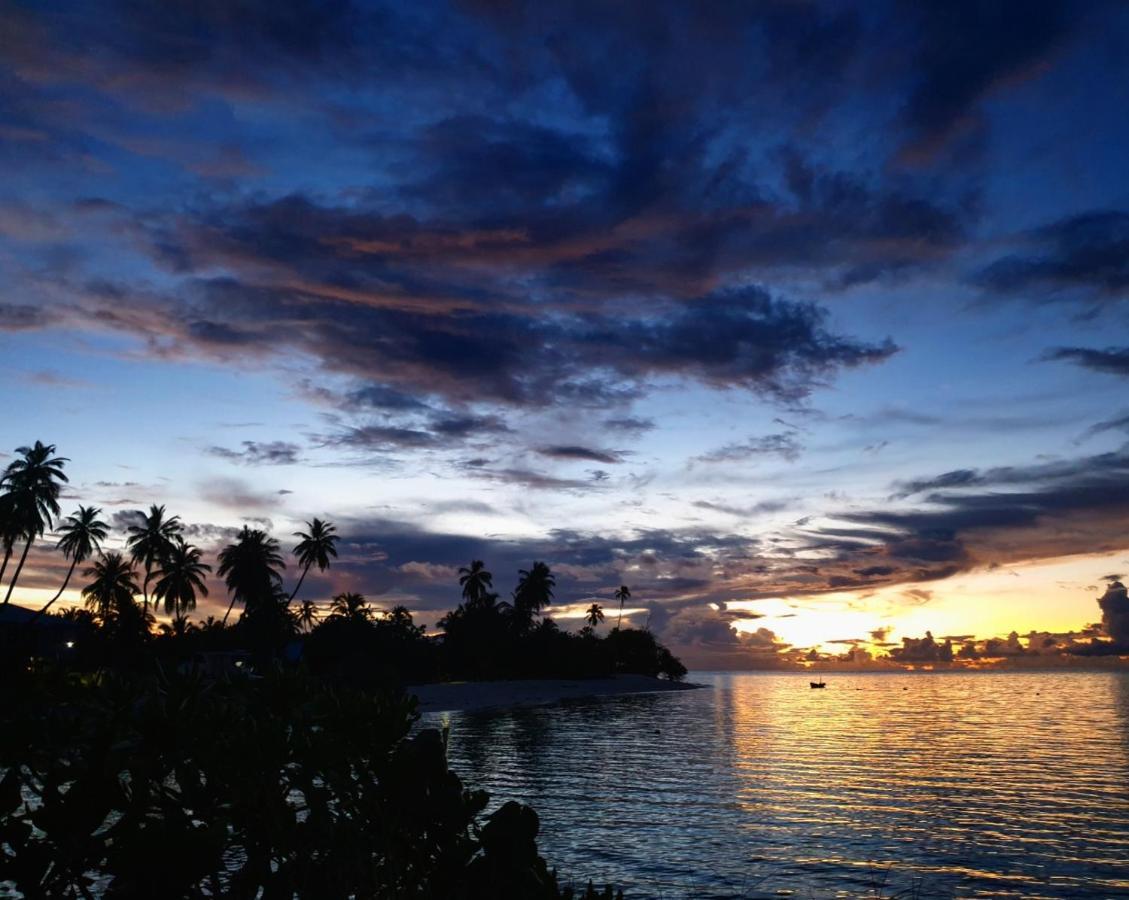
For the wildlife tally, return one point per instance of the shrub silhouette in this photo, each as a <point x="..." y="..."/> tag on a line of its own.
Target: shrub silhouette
<point x="278" y="786"/>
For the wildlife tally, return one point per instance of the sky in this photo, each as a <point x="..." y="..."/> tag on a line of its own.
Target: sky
<point x="807" y="321"/>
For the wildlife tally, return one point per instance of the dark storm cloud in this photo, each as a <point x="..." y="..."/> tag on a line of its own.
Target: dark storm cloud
<point x="1112" y="360"/>
<point x="1084" y="255"/>
<point x="272" y="453"/>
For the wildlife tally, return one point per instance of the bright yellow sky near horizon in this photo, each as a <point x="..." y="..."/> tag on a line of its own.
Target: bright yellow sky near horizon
<point x="1051" y="595"/>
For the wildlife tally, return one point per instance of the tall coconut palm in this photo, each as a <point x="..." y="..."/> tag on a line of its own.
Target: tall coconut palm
<point x="534" y="591"/>
<point x="112" y="588"/>
<point x="315" y="548"/>
<point x="622" y="594"/>
<point x="476" y="582"/>
<point x="251" y="569"/>
<point x="150" y="540"/>
<point x="180" y="579"/>
<point x="351" y="606"/>
<point x="33" y="481"/>
<point x="82" y="536"/>
<point x="9" y="529"/>
<point x="308" y="615"/>
<point x="595" y="615"/>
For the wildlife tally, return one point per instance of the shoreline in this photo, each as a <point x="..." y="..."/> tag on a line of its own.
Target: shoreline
<point x="475" y="696"/>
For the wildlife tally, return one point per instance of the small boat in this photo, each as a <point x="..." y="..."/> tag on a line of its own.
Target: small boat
<point x="817" y="684"/>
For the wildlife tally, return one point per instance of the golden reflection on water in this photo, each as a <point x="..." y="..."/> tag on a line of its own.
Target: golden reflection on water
<point x="954" y="784"/>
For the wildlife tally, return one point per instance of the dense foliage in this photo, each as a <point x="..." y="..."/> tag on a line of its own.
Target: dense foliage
<point x="269" y="757"/>
<point x="126" y="785"/>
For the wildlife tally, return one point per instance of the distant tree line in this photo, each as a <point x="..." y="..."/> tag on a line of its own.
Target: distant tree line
<point x="483" y="637"/>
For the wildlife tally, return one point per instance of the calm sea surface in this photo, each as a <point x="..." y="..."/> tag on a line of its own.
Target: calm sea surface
<point x="942" y="785"/>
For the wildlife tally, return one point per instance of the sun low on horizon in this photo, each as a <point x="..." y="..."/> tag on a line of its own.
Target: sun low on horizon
<point x="820" y="349"/>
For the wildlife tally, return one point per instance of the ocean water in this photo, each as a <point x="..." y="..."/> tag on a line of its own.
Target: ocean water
<point x="882" y="785"/>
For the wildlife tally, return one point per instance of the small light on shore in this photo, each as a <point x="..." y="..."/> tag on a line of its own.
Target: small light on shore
<point x="70" y="645"/>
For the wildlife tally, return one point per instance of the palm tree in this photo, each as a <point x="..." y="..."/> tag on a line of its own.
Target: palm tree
<point x="351" y="606"/>
<point x="308" y="615"/>
<point x="250" y="569"/>
<point x="180" y="579"/>
<point x="595" y="614"/>
<point x="33" y="483"/>
<point x="476" y="582"/>
<point x="82" y="536"/>
<point x="315" y="547"/>
<point x="534" y="591"/>
<point x="622" y="594"/>
<point x="9" y="529"/>
<point x="150" y="540"/>
<point x="113" y="587"/>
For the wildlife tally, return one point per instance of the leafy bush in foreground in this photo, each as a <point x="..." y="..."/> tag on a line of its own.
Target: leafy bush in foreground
<point x="126" y="786"/>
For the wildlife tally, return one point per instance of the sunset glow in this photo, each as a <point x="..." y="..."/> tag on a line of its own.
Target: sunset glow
<point x="816" y="346"/>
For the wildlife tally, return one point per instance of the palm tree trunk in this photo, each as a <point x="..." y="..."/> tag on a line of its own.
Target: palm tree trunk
<point x="66" y="581"/>
<point x="298" y="587"/>
<point x="4" y="565"/>
<point x="620" y="619"/>
<point x="145" y="590"/>
<point x="228" y="613"/>
<point x="19" y="568"/>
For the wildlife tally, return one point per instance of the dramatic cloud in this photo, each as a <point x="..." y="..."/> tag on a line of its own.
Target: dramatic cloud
<point x="979" y="518"/>
<point x="923" y="650"/>
<point x="1114" y="604"/>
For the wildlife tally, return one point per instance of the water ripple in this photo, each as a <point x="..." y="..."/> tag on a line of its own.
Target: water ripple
<point x="950" y="785"/>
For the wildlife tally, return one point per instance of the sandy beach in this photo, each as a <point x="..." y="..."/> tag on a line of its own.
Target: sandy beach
<point x="479" y="695"/>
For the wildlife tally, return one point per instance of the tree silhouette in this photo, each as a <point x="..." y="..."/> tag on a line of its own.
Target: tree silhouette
<point x="315" y="547"/>
<point x="150" y="541"/>
<point x="308" y="615"/>
<point x="622" y="594"/>
<point x="250" y="569"/>
<point x="113" y="587"/>
<point x="595" y="615"/>
<point x="10" y="529"/>
<point x="33" y="483"/>
<point x="476" y="582"/>
<point x="533" y="593"/>
<point x="82" y="536"/>
<point x="180" y="579"/>
<point x="351" y="606"/>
